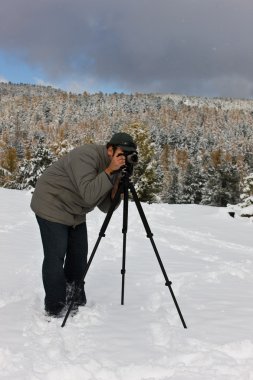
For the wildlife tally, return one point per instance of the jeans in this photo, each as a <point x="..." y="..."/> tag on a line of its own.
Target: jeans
<point x="65" y="258"/>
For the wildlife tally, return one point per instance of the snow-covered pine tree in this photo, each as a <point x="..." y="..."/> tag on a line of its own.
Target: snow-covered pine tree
<point x="31" y="169"/>
<point x="172" y="192"/>
<point x="147" y="175"/>
<point x="245" y="207"/>
<point x="221" y="186"/>
<point x="192" y="184"/>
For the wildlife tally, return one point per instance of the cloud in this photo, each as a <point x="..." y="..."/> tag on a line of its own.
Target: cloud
<point x="199" y="47"/>
<point x="3" y="79"/>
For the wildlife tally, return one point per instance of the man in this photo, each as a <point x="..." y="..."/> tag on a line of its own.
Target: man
<point x="70" y="188"/>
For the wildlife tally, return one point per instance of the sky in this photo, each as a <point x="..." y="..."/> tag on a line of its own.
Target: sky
<point x="190" y="47"/>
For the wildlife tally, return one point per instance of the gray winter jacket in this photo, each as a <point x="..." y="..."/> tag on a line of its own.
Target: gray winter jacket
<point x="73" y="186"/>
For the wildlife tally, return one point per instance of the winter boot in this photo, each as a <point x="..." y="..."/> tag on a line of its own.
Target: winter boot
<point x="80" y="297"/>
<point x="56" y="311"/>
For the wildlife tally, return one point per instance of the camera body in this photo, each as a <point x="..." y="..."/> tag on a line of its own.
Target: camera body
<point x="131" y="161"/>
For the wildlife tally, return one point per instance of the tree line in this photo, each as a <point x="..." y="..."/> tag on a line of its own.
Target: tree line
<point x="191" y="150"/>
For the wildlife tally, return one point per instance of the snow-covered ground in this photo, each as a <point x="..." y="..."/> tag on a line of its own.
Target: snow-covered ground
<point x="207" y="255"/>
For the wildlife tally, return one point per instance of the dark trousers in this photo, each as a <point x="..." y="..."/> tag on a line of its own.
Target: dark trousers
<point x="65" y="259"/>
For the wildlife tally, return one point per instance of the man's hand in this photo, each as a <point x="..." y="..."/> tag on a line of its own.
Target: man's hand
<point x="118" y="160"/>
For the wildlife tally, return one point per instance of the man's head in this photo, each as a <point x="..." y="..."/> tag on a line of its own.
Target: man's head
<point x="122" y="140"/>
<point x="121" y="149"/>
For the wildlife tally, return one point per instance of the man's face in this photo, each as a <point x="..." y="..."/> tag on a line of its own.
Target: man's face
<point x="111" y="152"/>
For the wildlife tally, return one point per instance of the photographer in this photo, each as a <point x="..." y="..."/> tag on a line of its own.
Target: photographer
<point x="86" y="177"/>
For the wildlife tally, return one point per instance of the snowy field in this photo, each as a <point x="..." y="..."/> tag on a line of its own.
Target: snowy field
<point x="207" y="255"/>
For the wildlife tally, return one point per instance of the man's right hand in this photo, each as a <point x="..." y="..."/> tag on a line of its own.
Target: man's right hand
<point x="118" y="160"/>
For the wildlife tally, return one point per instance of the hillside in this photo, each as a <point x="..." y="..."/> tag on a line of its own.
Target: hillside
<point x="31" y="105"/>
<point x="209" y="135"/>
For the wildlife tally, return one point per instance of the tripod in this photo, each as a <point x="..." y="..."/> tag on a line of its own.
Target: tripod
<point x="124" y="187"/>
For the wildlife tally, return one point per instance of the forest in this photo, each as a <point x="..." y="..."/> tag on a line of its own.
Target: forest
<point x="191" y="150"/>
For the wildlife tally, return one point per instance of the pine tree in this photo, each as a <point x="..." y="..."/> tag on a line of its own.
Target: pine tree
<point x="221" y="186"/>
<point x="246" y="206"/>
<point x="147" y="175"/>
<point x="192" y="184"/>
<point x="31" y="169"/>
<point x="4" y="176"/>
<point x="172" y="192"/>
<point x="10" y="159"/>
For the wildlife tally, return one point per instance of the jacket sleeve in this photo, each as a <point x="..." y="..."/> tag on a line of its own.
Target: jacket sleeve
<point x="106" y="203"/>
<point x="84" y="171"/>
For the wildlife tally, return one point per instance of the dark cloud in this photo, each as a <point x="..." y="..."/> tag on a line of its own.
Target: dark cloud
<point x="198" y="47"/>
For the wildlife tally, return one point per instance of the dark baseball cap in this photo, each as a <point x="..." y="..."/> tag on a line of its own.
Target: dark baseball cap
<point x="124" y="141"/>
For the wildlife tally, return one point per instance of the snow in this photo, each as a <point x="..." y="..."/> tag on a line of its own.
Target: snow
<point x="207" y="255"/>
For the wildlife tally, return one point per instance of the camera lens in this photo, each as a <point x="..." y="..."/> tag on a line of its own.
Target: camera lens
<point x="132" y="158"/>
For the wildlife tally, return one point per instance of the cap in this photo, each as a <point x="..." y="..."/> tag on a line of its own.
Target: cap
<point x="123" y="140"/>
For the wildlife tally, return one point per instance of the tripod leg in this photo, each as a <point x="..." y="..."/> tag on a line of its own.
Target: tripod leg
<point x="150" y="236"/>
<point x="124" y="231"/>
<point x="101" y="234"/>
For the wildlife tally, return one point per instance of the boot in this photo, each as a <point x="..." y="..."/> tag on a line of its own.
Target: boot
<point x="80" y="296"/>
<point x="56" y="311"/>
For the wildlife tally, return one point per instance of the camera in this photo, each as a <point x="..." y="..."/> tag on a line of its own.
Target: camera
<point x="131" y="157"/>
<point x="131" y="160"/>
